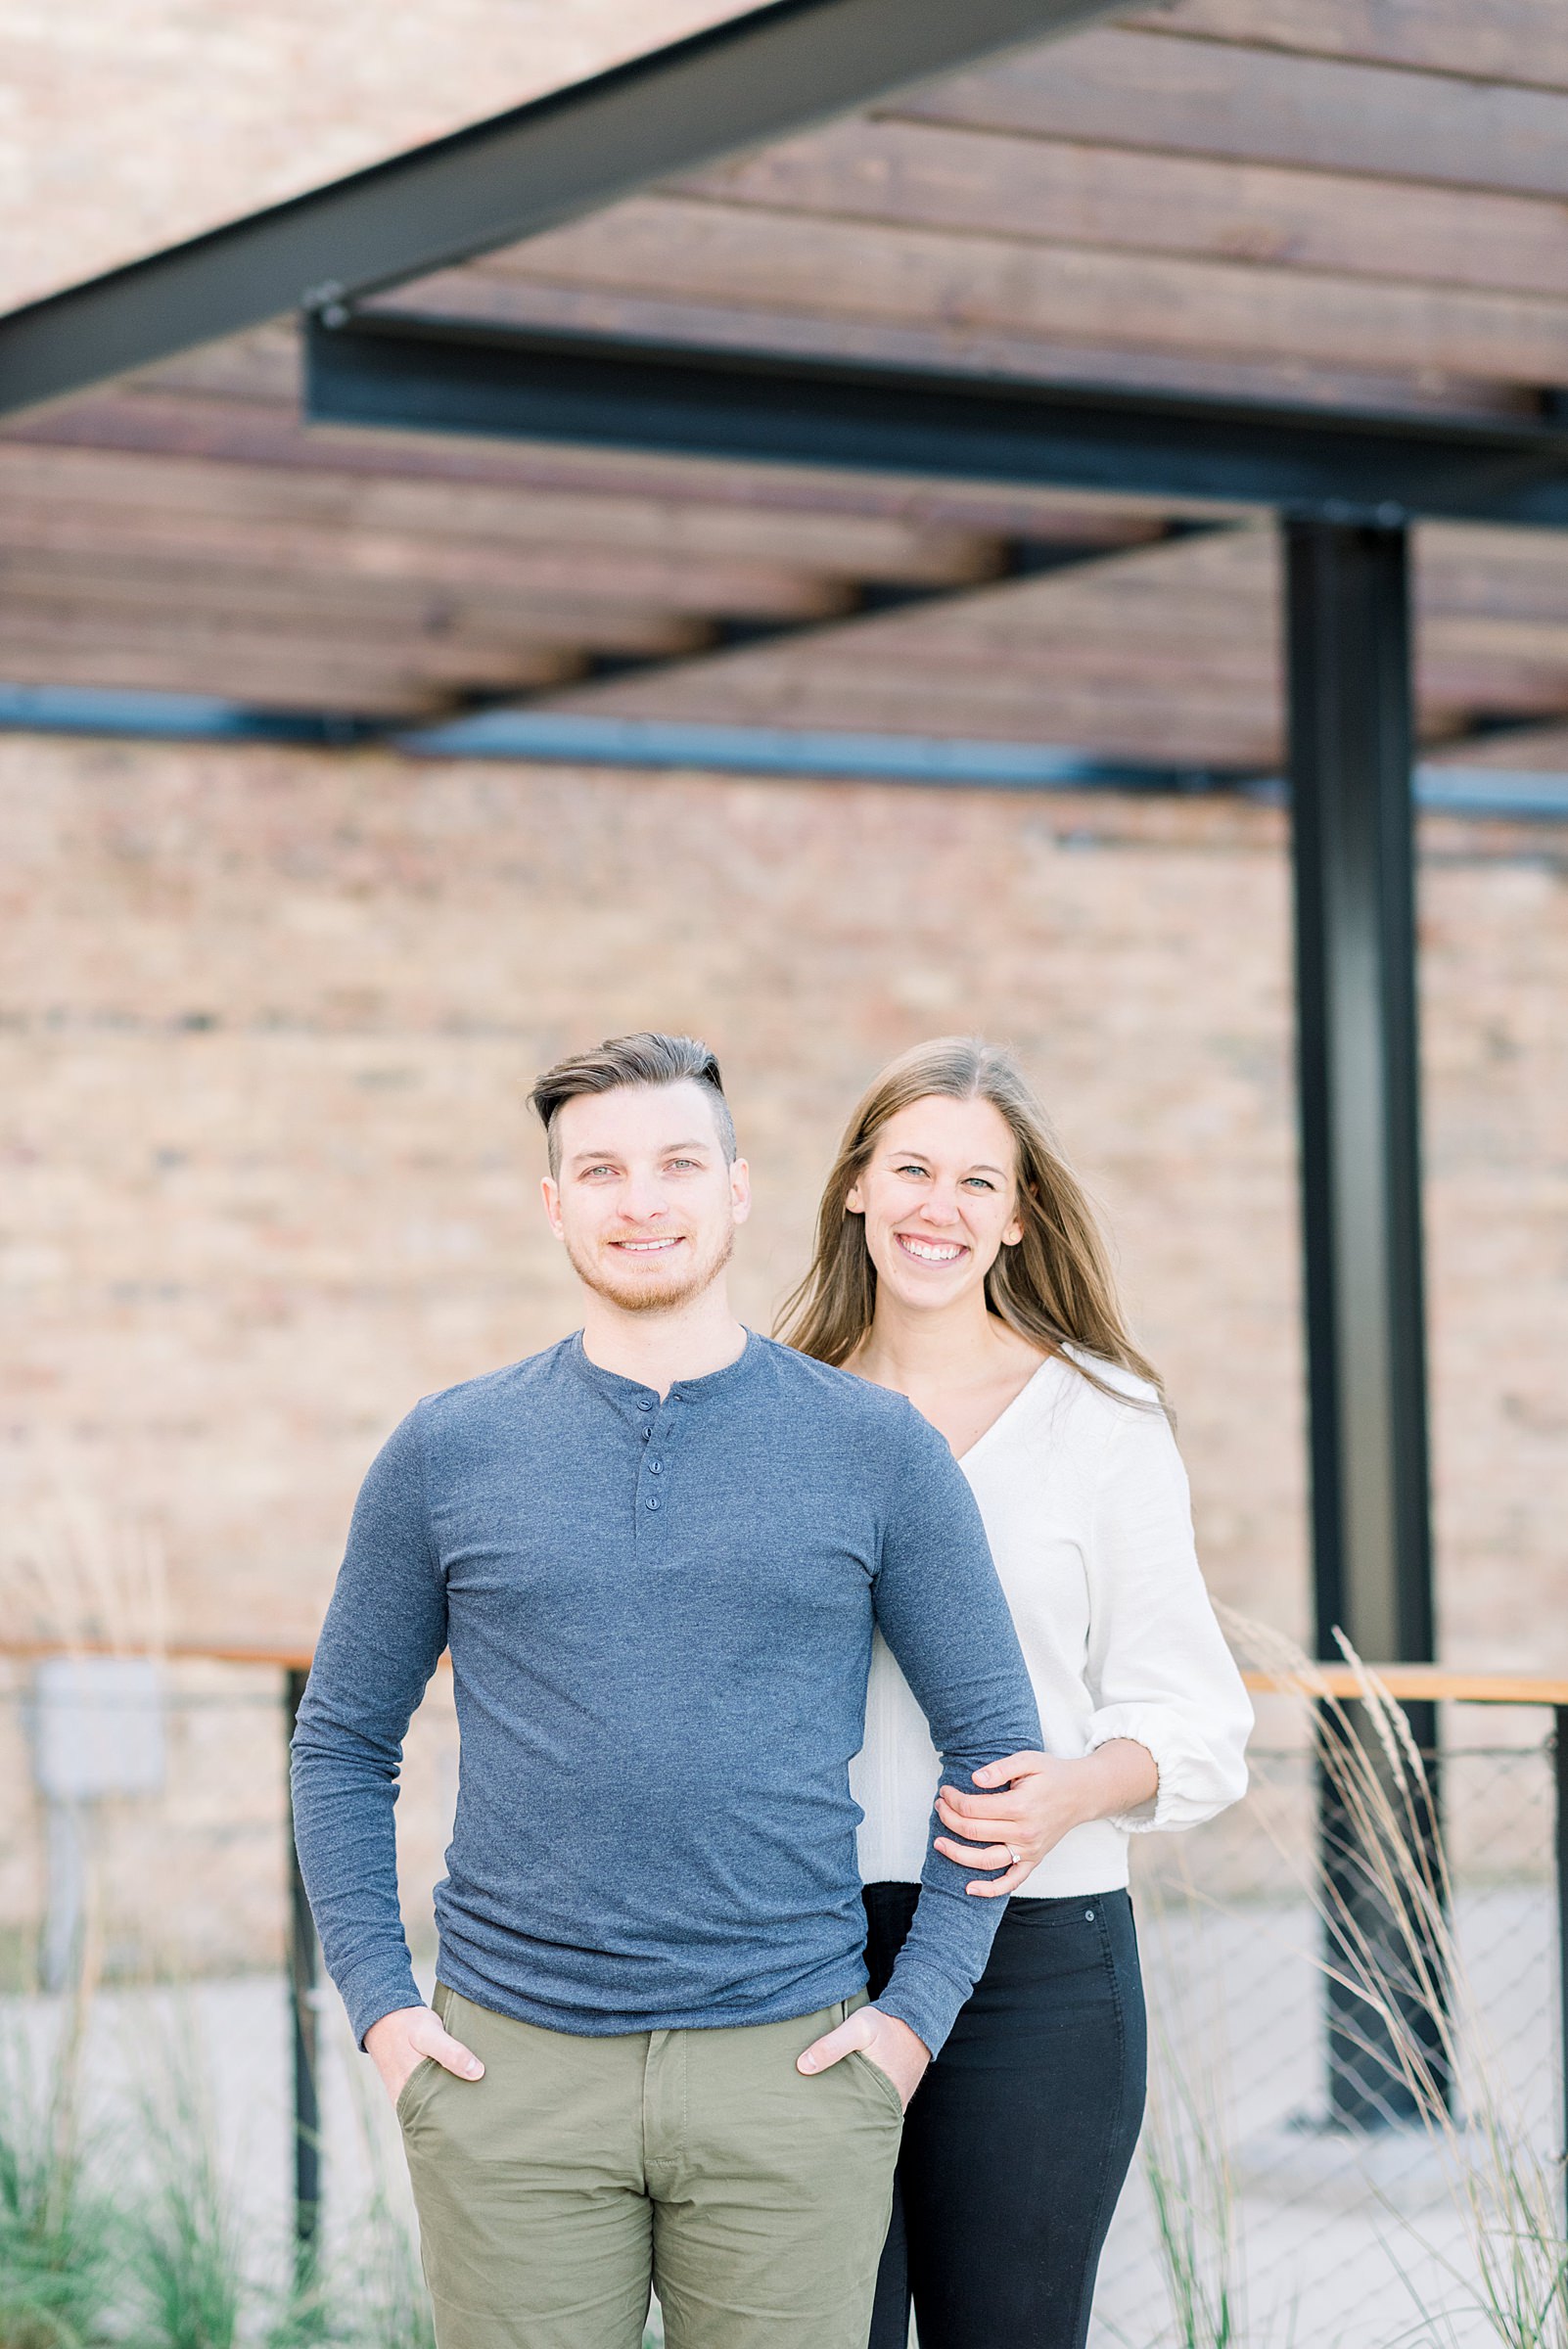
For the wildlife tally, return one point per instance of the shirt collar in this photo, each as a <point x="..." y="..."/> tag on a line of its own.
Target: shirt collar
<point x="714" y="1386"/>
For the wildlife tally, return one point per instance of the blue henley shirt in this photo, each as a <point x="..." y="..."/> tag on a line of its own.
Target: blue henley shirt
<point x="660" y="1616"/>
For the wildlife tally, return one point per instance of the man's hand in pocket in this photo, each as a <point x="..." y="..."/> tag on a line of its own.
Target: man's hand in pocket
<point x="400" y="2042"/>
<point x="882" y="2039"/>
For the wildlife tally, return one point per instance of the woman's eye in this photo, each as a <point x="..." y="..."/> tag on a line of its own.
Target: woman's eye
<point x="910" y="1169"/>
<point x="980" y="1182"/>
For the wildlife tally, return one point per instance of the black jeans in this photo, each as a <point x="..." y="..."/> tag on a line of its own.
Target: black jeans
<point x="1018" y="2138"/>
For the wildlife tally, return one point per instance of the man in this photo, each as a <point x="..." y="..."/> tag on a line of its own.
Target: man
<point x="656" y="1551"/>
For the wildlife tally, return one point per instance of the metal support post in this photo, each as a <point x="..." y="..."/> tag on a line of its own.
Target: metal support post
<point x="1348" y="667"/>
<point x="304" y="1974"/>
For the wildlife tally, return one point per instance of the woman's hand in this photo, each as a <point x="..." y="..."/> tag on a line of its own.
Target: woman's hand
<point x="1045" y="1800"/>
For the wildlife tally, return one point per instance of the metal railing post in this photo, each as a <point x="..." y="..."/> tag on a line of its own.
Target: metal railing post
<point x="1559" y="1767"/>
<point x="304" y="1974"/>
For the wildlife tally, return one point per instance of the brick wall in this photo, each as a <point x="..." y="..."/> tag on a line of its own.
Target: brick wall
<point x="268" y="1018"/>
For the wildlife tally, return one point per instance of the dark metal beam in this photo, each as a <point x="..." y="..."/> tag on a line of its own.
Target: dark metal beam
<point x="1349" y="667"/>
<point x="760" y="75"/>
<point x="386" y="368"/>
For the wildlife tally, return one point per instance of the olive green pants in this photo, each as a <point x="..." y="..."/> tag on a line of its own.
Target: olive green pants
<point x="578" y="2173"/>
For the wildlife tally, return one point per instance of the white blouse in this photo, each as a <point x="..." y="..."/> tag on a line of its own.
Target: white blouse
<point x="1086" y="1504"/>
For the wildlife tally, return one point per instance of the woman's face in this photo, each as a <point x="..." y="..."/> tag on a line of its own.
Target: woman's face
<point x="940" y="1199"/>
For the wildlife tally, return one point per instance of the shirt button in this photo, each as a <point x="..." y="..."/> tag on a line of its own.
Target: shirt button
<point x="653" y="1467"/>
<point x="647" y="1434"/>
<point x="653" y="1501"/>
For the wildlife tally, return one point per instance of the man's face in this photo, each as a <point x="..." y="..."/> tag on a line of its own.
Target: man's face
<point x="644" y="1202"/>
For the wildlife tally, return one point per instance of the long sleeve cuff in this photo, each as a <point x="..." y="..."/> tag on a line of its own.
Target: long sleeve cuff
<point x="375" y="1990"/>
<point x="922" y="1996"/>
<point x="1198" y="1776"/>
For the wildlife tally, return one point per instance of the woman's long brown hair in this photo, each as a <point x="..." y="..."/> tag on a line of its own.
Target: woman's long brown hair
<point x="1054" y="1287"/>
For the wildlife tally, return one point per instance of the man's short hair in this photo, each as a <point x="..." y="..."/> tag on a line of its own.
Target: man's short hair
<point x="647" y="1058"/>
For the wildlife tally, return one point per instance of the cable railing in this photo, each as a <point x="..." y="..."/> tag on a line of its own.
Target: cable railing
<point x="196" y="1828"/>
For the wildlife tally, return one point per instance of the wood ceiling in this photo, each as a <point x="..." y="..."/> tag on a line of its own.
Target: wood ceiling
<point x="1362" y="202"/>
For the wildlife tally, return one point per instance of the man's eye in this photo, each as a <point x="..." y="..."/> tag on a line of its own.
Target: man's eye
<point x="686" y="1162"/>
<point x="589" y="1172"/>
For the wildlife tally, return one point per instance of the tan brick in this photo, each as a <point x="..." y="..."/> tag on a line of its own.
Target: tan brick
<point x="266" y="1023"/>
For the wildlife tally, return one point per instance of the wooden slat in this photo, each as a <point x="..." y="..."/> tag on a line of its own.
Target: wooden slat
<point x="1087" y="657"/>
<point x="243" y="672"/>
<point x="1415" y="1683"/>
<point x="1507" y="40"/>
<point x="1529" y="750"/>
<point x="265" y="364"/>
<point x="869" y="546"/>
<point x="161" y="426"/>
<point x="1504" y="638"/>
<point x="180" y="425"/>
<point x="1178" y="603"/>
<point x="1506" y="663"/>
<point x="1182" y="636"/>
<point x="924" y="175"/>
<point x="1492" y="612"/>
<point x="1164" y="652"/>
<point x="111" y="614"/>
<point x="636" y="576"/>
<point x="1454" y="700"/>
<point x="1167" y="645"/>
<point x="497" y="295"/>
<point x="1442" y="718"/>
<point x="1198" y="671"/>
<point x="1104" y="712"/>
<point x="1006" y="671"/>
<point x="83" y="613"/>
<point x="1037" y="633"/>
<point x="1515" y="550"/>
<point x="1146" y="89"/>
<point x="338" y="604"/>
<point x="1520" y="574"/>
<point x="1159" y="727"/>
<point x="243" y="665"/>
<point x="1453" y="696"/>
<point x="811" y="263"/>
<point x="1213" y="567"/>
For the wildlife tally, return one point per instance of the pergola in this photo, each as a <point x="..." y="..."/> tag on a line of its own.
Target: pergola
<point x="885" y="367"/>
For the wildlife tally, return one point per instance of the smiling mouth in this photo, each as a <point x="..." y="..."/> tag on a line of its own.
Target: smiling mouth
<point x="930" y="1252"/>
<point x="647" y="1247"/>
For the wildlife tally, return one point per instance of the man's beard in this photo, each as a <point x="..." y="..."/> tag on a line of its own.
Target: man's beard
<point x="643" y="1295"/>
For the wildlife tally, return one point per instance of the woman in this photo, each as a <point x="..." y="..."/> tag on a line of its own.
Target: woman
<point x="957" y="1259"/>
